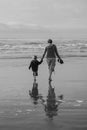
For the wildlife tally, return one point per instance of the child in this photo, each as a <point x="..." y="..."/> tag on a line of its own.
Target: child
<point x="34" y="65"/>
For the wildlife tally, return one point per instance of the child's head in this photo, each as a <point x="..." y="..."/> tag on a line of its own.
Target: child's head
<point x="50" y="41"/>
<point x="35" y="57"/>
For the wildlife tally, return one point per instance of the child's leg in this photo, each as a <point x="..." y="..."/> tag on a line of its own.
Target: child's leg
<point x="34" y="75"/>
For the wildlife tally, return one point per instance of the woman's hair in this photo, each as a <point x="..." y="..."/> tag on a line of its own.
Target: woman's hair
<point x="49" y="41"/>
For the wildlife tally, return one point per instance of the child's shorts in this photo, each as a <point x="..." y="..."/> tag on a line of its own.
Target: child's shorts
<point x="51" y="63"/>
<point x="35" y="73"/>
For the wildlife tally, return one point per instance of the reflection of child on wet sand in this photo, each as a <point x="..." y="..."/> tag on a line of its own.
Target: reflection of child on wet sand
<point x="34" y="92"/>
<point x="35" y="89"/>
<point x="34" y="65"/>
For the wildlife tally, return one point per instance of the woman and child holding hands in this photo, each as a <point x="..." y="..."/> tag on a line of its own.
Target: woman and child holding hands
<point x="51" y="53"/>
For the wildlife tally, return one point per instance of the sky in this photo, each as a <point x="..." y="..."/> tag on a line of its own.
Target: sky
<point x="46" y="14"/>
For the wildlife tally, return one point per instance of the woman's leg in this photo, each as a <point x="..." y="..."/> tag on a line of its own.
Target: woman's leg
<point x="51" y="68"/>
<point x="50" y="74"/>
<point x="51" y="65"/>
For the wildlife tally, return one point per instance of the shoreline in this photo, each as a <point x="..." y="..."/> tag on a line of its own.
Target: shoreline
<point x="17" y="110"/>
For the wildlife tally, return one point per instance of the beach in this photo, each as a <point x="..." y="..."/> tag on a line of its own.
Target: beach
<point x="17" y="109"/>
<point x="46" y="30"/>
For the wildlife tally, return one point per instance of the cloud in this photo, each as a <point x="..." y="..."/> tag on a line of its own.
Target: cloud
<point x="44" y="13"/>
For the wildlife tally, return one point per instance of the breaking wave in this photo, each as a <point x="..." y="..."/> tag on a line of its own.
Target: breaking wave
<point x="17" y="48"/>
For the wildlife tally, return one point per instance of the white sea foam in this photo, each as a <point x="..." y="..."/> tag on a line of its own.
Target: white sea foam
<point x="29" y="110"/>
<point x="23" y="48"/>
<point x="19" y="111"/>
<point x="77" y="105"/>
<point x="79" y="101"/>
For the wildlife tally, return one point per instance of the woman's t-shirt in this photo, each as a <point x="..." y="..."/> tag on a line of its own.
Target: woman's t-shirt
<point x="51" y="51"/>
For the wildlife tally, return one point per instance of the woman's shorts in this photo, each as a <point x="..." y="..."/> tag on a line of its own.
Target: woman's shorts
<point x="51" y="63"/>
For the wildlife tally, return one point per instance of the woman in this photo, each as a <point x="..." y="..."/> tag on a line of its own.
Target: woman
<point x="51" y="53"/>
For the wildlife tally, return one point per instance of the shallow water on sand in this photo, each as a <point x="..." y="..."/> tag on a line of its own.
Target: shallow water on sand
<point x="17" y="109"/>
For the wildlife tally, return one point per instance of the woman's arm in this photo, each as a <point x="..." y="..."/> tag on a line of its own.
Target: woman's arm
<point x="44" y="54"/>
<point x="59" y="58"/>
<point x="56" y="51"/>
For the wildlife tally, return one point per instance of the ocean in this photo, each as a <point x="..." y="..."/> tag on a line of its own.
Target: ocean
<point x="24" y="48"/>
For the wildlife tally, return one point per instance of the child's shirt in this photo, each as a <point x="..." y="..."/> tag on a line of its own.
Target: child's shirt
<point x="34" y="65"/>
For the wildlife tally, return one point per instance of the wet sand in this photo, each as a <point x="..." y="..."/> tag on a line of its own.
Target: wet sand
<point x="17" y="110"/>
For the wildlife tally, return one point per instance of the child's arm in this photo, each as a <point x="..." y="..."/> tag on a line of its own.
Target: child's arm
<point x="39" y="62"/>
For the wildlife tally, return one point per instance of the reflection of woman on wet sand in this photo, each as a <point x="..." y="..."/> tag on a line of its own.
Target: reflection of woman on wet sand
<point x="51" y="54"/>
<point x="51" y="103"/>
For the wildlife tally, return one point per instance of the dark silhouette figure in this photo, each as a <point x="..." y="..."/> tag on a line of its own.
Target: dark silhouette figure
<point x="50" y="104"/>
<point x="51" y="107"/>
<point x="34" y="65"/>
<point x="34" y="93"/>
<point x="51" y="53"/>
